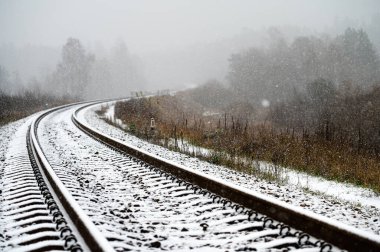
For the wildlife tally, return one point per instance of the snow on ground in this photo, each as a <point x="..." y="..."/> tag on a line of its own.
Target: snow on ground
<point x="139" y="208"/>
<point x="110" y="115"/>
<point x="342" y="191"/>
<point x="346" y="203"/>
<point x="7" y="134"/>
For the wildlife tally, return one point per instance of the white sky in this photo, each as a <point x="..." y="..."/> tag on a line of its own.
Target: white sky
<point x="149" y="25"/>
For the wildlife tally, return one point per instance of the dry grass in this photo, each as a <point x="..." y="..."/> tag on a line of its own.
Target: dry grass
<point x="235" y="140"/>
<point x="15" y="108"/>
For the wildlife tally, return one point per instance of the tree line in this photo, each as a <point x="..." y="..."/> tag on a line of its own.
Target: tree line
<point x="78" y="75"/>
<point x="343" y="115"/>
<point x="315" y="87"/>
<point x="81" y="74"/>
<point x="274" y="73"/>
<point x="313" y="105"/>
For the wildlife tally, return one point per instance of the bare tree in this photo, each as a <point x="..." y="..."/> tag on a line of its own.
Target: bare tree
<point x="73" y="71"/>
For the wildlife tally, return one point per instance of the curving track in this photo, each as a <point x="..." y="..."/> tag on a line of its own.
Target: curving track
<point x="76" y="193"/>
<point x="41" y="213"/>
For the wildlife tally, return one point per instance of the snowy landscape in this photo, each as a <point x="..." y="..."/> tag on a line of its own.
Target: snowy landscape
<point x="210" y="125"/>
<point x="353" y="205"/>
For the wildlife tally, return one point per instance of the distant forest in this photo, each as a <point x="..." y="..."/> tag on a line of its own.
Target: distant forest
<point x="313" y="105"/>
<point x="325" y="86"/>
<point x="78" y="75"/>
<point x="276" y="73"/>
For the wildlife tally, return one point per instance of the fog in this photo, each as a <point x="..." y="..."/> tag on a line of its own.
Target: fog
<point x="151" y="45"/>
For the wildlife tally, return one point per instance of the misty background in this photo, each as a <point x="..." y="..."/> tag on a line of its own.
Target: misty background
<point x="123" y="46"/>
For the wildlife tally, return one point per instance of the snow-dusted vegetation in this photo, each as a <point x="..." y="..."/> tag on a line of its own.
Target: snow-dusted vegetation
<point x="279" y="97"/>
<point x="343" y="202"/>
<point x="312" y="105"/>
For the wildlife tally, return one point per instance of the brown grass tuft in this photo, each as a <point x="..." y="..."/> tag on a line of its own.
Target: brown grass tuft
<point x="235" y="140"/>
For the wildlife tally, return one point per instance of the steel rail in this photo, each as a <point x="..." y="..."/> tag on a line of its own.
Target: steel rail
<point x="87" y="234"/>
<point x="334" y="232"/>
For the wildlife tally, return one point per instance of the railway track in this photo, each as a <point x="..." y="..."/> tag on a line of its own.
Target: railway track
<point x="42" y="215"/>
<point x="66" y="191"/>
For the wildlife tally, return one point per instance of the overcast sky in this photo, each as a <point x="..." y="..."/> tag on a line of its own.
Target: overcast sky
<point x="153" y="25"/>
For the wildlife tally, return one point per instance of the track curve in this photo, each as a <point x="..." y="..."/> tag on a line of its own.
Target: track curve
<point x="67" y="191"/>
<point x="332" y="231"/>
<point x="78" y="226"/>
